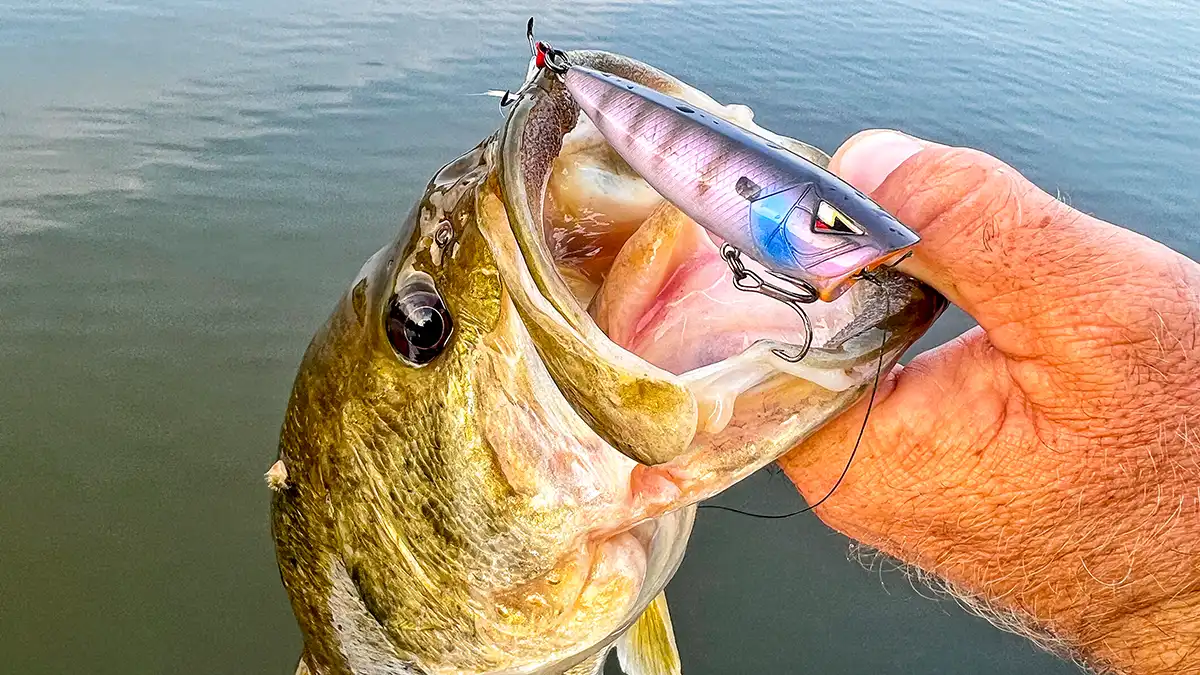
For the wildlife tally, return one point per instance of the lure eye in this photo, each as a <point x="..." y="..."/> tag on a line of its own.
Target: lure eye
<point x="831" y="221"/>
<point x="418" y="324"/>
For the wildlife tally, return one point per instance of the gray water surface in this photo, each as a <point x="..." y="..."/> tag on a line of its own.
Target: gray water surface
<point x="186" y="187"/>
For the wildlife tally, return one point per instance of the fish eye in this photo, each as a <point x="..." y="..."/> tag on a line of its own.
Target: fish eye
<point x="417" y="323"/>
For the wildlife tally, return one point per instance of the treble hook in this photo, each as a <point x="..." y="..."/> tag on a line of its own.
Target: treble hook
<point x="749" y="281"/>
<point x="545" y="57"/>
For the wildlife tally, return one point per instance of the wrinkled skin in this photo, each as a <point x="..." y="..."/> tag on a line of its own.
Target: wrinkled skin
<point x="1046" y="461"/>
<point x="515" y="504"/>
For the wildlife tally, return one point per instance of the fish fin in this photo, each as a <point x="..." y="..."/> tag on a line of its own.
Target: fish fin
<point x="648" y="647"/>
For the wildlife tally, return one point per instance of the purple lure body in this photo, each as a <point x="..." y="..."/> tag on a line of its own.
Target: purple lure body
<point x="796" y="219"/>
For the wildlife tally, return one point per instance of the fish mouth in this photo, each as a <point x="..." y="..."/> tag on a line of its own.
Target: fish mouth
<point x="620" y="264"/>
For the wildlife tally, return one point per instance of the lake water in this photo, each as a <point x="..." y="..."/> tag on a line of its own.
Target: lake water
<point x="186" y="187"/>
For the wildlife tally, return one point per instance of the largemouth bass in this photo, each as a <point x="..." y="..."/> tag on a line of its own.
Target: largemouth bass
<point x="494" y="447"/>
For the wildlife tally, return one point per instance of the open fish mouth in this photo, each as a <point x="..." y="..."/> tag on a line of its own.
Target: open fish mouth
<point x="619" y="265"/>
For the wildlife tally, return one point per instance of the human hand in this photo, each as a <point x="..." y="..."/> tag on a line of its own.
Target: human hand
<point x="1047" y="462"/>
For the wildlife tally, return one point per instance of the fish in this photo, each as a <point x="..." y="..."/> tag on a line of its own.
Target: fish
<point x="492" y="453"/>
<point x="795" y="218"/>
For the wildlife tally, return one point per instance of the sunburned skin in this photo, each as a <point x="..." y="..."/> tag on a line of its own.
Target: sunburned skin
<point x="1044" y="464"/>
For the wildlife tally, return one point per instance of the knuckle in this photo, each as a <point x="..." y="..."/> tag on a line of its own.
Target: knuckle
<point x="959" y="191"/>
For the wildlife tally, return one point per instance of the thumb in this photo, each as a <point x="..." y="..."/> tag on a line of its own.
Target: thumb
<point x="1047" y="284"/>
<point x="992" y="242"/>
<point x="873" y="155"/>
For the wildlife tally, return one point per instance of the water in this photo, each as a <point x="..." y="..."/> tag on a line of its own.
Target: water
<point x="185" y="187"/>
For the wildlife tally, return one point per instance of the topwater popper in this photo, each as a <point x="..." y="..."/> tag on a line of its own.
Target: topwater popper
<point x="797" y="220"/>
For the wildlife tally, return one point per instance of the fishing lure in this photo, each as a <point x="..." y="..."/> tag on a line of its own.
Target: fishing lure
<point x="795" y="219"/>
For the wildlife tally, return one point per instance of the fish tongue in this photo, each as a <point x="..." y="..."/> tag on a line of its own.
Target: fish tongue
<point x="670" y="299"/>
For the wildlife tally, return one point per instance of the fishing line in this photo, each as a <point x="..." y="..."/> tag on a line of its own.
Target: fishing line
<point x="861" y="431"/>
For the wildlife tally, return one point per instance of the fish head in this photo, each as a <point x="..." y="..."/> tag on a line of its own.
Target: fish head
<point x="493" y="447"/>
